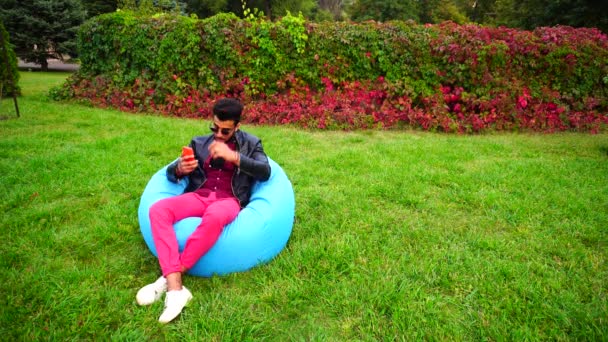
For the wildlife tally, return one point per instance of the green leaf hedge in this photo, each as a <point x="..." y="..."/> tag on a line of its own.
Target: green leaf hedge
<point x="448" y="77"/>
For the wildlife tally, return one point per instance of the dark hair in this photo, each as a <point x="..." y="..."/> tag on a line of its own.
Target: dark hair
<point x="228" y="109"/>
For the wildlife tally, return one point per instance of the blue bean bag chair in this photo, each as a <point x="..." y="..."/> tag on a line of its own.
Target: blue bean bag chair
<point x="256" y="236"/>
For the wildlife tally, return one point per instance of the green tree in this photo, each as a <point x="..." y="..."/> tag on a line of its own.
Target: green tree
<point x="130" y="5"/>
<point x="436" y="11"/>
<point x="206" y="8"/>
<point x="384" y="10"/>
<point x="278" y="8"/>
<point x="146" y="7"/>
<point x="149" y="7"/>
<point x="529" y="14"/>
<point x="272" y="9"/>
<point x="332" y="8"/>
<point x="97" y="7"/>
<point x="9" y="74"/>
<point x="479" y="11"/>
<point x="42" y="29"/>
<point x="173" y="6"/>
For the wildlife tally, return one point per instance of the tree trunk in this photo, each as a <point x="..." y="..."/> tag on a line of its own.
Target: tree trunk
<point x="268" y="9"/>
<point x="44" y="65"/>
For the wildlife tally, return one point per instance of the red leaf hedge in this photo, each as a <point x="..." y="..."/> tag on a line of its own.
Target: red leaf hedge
<point x="447" y="77"/>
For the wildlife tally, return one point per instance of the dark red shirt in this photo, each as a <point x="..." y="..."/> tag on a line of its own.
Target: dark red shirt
<point x="219" y="180"/>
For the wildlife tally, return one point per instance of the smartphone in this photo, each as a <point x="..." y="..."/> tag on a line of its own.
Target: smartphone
<point x="187" y="153"/>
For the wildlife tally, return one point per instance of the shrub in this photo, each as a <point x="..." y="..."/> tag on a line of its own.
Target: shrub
<point x="9" y="74"/>
<point x="448" y="77"/>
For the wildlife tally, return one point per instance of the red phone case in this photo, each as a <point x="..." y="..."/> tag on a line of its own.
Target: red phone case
<point x="187" y="153"/>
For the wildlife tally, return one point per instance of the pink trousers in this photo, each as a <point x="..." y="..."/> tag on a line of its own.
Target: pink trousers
<point x="216" y="214"/>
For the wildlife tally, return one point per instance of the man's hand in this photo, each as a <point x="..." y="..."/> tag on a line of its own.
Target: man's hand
<point x="219" y="149"/>
<point x="185" y="167"/>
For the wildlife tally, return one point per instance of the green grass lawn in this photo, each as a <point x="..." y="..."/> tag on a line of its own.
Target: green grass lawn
<point x="398" y="235"/>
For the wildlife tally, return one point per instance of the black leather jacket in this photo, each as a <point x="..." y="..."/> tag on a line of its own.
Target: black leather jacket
<point x="254" y="165"/>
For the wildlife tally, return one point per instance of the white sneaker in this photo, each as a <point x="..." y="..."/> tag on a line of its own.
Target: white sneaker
<point x="174" y="303"/>
<point x="152" y="292"/>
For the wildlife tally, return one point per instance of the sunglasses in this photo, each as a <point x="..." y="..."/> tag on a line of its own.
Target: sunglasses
<point x="224" y="131"/>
